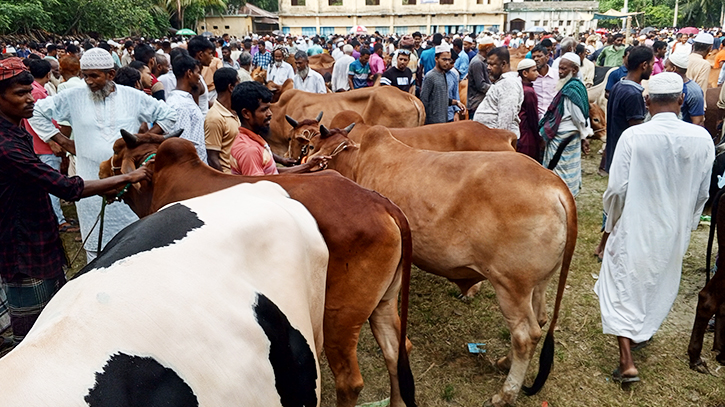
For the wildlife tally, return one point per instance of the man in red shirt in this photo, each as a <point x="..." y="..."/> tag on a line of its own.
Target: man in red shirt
<point x="250" y="153"/>
<point x="49" y="153"/>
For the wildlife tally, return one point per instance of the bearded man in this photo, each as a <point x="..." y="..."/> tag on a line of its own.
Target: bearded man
<point x="279" y="71"/>
<point x="307" y="79"/>
<point x="502" y="104"/>
<point x="97" y="113"/>
<point x="567" y="118"/>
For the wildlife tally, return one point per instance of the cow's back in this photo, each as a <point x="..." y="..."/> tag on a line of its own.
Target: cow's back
<point x="215" y="290"/>
<point x="713" y="114"/>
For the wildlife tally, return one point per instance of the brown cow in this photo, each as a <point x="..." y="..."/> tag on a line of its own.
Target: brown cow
<point x="711" y="300"/>
<point x="598" y="121"/>
<point x="368" y="238"/>
<point x="260" y="75"/>
<point x="383" y="105"/>
<point x="322" y="63"/>
<point x="713" y="114"/>
<point x="474" y="216"/>
<point x="464" y="135"/>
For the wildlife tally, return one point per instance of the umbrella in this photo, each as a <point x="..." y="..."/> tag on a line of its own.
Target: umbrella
<point x="647" y="30"/>
<point x="600" y="31"/>
<point x="185" y="31"/>
<point x="536" y="29"/>
<point x="358" y="29"/>
<point x="206" y="34"/>
<point x="689" y="30"/>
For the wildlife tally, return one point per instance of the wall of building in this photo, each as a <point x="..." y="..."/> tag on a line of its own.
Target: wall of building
<point x="233" y="25"/>
<point x="319" y="17"/>
<point x="564" y="20"/>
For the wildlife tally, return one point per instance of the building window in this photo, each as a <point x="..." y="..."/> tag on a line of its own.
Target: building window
<point x="488" y="2"/>
<point x="446" y="1"/>
<point x="383" y="30"/>
<point x="335" y="2"/>
<point x="480" y="28"/>
<point x="479" y="1"/>
<point x="203" y="28"/>
<point x="536" y="22"/>
<point x="309" y="31"/>
<point x="285" y="30"/>
<point x="409" y="2"/>
<point x="226" y="27"/>
<point x="494" y="28"/>
<point x="546" y="23"/>
<point x="568" y="22"/>
<point x="401" y="30"/>
<point x="326" y="31"/>
<point x="298" y="2"/>
<point x="422" y="29"/>
<point x="372" y="2"/>
<point x="215" y="27"/>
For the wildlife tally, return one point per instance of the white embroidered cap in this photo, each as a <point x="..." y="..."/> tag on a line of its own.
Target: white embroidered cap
<point x="526" y="64"/>
<point x="679" y="59"/>
<point x="97" y="58"/>
<point x="573" y="58"/>
<point x="665" y="83"/>
<point x="444" y="47"/>
<point x="705" y="38"/>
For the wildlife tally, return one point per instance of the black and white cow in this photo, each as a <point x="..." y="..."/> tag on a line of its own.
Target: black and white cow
<point x="213" y="301"/>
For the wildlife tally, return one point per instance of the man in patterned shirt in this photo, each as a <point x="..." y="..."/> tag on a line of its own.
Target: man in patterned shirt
<point x="31" y="252"/>
<point x="262" y="58"/>
<point x="189" y="118"/>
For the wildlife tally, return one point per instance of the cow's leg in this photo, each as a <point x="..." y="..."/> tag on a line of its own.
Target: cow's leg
<point x="538" y="302"/>
<point x="342" y="331"/>
<point x="706" y="307"/>
<point x="718" y="344"/>
<point x="525" y="335"/>
<point x="385" y="324"/>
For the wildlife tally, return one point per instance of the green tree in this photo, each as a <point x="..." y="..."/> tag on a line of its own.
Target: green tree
<point x="21" y="16"/>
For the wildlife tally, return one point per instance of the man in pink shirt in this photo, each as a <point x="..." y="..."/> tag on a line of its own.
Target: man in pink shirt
<point x="545" y="83"/>
<point x="250" y="153"/>
<point x="660" y="49"/>
<point x="41" y="70"/>
<point x="377" y="65"/>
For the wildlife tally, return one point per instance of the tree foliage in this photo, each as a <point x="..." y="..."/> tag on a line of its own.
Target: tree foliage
<point x="107" y="18"/>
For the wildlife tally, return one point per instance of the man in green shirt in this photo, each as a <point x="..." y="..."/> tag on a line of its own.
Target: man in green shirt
<point x="612" y="55"/>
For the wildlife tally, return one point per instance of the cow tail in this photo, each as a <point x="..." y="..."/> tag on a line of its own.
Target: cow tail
<point x="546" y="360"/>
<point x="560" y="150"/>
<point x="711" y="236"/>
<point x="405" y="375"/>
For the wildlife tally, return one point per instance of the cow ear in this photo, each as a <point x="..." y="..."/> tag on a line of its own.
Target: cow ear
<point x="348" y="129"/>
<point x="324" y="133"/>
<point x="173" y="134"/>
<point x="130" y="139"/>
<point x="291" y="121"/>
<point x="127" y="166"/>
<point x="319" y="117"/>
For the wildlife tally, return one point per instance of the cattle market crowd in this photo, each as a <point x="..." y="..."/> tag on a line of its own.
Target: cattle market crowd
<point x="99" y="123"/>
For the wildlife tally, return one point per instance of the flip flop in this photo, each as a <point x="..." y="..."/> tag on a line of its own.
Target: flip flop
<point x="641" y="345"/>
<point x="618" y="378"/>
<point x="67" y="227"/>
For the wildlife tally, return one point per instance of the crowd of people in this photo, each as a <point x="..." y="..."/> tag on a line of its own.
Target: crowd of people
<point x="69" y="101"/>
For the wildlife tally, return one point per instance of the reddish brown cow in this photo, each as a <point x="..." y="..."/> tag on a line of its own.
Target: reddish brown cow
<point x="464" y="135"/>
<point x="472" y="215"/>
<point x="368" y="238"/>
<point x="711" y="300"/>
<point x="713" y="114"/>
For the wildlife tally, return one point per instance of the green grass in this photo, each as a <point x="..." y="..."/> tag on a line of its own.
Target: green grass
<point x="441" y="325"/>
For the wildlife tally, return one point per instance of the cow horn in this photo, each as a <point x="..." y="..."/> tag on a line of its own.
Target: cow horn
<point x="129" y="138"/>
<point x="291" y="121"/>
<point x="349" y="128"/>
<point x="173" y="134"/>
<point x="323" y="131"/>
<point x="319" y="117"/>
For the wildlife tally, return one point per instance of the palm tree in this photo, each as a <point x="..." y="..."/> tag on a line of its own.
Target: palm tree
<point x="175" y="8"/>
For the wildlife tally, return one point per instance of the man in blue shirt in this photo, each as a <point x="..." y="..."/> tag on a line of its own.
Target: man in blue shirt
<point x="462" y="62"/>
<point x="359" y="71"/>
<point x="262" y="58"/>
<point x="427" y="57"/>
<point x="693" y="108"/>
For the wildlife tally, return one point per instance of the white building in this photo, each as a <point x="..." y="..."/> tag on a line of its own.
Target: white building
<point x="567" y="16"/>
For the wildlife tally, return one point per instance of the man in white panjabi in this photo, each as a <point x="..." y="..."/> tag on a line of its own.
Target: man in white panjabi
<point x="658" y="185"/>
<point x="97" y="113"/>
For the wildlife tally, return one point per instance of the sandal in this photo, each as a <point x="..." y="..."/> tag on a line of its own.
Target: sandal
<point x="641" y="345"/>
<point x="66" y="227"/>
<point x="618" y="378"/>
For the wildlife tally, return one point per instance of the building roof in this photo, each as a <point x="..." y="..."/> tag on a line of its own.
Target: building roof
<point x="590" y="6"/>
<point x="249" y="10"/>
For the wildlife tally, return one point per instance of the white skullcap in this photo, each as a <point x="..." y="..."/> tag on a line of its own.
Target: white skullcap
<point x="467" y="39"/>
<point x="97" y="58"/>
<point x="444" y="47"/>
<point x="704" y="38"/>
<point x="679" y="59"/>
<point x="486" y="40"/>
<point x="665" y="83"/>
<point x="573" y="58"/>
<point x="526" y="64"/>
<point x="340" y="43"/>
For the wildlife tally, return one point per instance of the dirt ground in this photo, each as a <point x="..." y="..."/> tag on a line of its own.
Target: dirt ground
<point x="441" y="325"/>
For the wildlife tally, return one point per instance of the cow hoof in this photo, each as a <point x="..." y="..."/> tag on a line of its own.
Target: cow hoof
<point x="496" y="401"/>
<point x="721" y="358"/>
<point x="700" y="366"/>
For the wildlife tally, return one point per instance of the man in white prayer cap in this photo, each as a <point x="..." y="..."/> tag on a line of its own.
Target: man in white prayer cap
<point x="693" y="106"/>
<point x="434" y="93"/>
<point x="566" y="121"/>
<point x="97" y="113"/>
<point x="642" y="262"/>
<point x="698" y="68"/>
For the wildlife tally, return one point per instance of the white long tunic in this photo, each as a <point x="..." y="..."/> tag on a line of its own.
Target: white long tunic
<point x="96" y="126"/>
<point x="658" y="185"/>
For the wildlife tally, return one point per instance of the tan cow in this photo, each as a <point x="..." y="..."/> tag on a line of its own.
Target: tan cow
<point x="464" y="135"/>
<point x="322" y="63"/>
<point x="383" y="105"/>
<point x="474" y="216"/>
